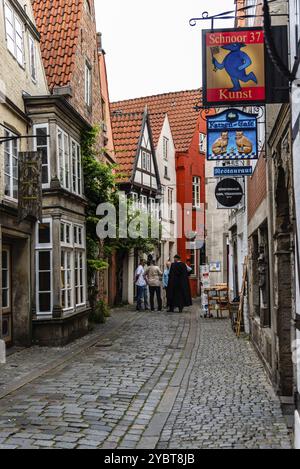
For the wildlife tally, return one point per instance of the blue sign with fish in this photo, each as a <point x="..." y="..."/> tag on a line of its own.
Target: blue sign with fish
<point x="232" y="135"/>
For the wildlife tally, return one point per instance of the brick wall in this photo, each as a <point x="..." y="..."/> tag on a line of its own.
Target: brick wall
<point x="257" y="187"/>
<point x="87" y="51"/>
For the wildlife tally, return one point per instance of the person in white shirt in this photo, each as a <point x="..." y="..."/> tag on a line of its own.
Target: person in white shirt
<point x="141" y="285"/>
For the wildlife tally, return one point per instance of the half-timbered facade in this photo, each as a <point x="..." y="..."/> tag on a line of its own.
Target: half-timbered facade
<point x="139" y="179"/>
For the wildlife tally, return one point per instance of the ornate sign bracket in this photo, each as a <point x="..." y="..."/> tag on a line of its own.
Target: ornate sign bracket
<point x="231" y="15"/>
<point x="17" y="137"/>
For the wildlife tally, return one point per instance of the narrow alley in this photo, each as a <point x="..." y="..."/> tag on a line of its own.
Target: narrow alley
<point x="145" y="380"/>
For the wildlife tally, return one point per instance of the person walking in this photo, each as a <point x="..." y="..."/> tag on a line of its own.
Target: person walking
<point x="166" y="282"/>
<point x="141" y="285"/>
<point x="153" y="277"/>
<point x="179" y="289"/>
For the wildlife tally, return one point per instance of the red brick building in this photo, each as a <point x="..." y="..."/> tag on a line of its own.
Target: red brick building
<point x="188" y="130"/>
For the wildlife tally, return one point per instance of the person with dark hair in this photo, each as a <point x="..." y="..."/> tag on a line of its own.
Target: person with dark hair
<point x="179" y="290"/>
<point x="141" y="286"/>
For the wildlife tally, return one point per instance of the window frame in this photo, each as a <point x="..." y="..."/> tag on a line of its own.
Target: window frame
<point x="202" y="142"/>
<point x="88" y="84"/>
<point x="196" y="192"/>
<point x="10" y="175"/>
<point x="74" y="248"/>
<point x="8" y="273"/>
<point x="144" y="203"/>
<point x="35" y="128"/>
<point x="47" y="247"/>
<point x="193" y="256"/>
<point x="78" y="167"/>
<point x="16" y="34"/>
<point x="32" y="60"/>
<point x="62" y="155"/>
<point x="166" y="143"/>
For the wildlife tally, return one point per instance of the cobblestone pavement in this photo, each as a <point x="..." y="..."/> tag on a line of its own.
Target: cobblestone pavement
<point x="157" y="381"/>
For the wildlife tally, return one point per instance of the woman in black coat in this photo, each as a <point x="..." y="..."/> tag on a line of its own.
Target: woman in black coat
<point x="179" y="289"/>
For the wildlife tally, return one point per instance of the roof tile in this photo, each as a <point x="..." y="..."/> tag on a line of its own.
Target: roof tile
<point x="58" y="22"/>
<point x="180" y="107"/>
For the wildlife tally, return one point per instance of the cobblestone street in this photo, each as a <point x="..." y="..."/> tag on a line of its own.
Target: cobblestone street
<point x="150" y="381"/>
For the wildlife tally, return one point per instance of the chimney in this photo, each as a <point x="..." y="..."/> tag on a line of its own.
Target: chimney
<point x="99" y="44"/>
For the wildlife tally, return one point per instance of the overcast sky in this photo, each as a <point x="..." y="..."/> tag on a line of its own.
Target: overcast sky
<point x="150" y="47"/>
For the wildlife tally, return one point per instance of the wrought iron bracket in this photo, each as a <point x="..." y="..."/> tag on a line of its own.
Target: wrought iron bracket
<point x="19" y="137"/>
<point x="230" y="15"/>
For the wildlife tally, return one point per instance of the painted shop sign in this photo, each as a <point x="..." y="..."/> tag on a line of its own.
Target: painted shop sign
<point x="229" y="193"/>
<point x="234" y="67"/>
<point x="233" y="171"/>
<point x="232" y="135"/>
<point x="30" y="185"/>
<point x="215" y="266"/>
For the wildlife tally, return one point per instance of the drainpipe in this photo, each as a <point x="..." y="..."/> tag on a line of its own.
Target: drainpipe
<point x="2" y="343"/>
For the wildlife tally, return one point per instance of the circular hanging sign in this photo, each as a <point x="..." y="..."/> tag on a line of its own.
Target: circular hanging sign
<point x="229" y="192"/>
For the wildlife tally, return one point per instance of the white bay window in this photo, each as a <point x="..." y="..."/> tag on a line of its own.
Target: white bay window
<point x="73" y="269"/>
<point x="44" y="267"/>
<point x="69" y="158"/>
<point x="11" y="166"/>
<point x="42" y="144"/>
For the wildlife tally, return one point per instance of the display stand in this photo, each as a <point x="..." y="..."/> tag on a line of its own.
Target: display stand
<point x="218" y="300"/>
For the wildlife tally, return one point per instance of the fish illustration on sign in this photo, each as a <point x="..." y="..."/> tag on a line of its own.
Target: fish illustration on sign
<point x="236" y="64"/>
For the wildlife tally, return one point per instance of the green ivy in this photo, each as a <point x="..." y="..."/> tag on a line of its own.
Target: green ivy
<point x="101" y="187"/>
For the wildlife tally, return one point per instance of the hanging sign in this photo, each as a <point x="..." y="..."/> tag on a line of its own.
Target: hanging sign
<point x="234" y="67"/>
<point x="30" y="185"/>
<point x="233" y="171"/>
<point x="232" y="135"/>
<point x="229" y="193"/>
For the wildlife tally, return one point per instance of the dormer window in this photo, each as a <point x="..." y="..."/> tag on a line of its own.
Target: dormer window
<point x="14" y="34"/>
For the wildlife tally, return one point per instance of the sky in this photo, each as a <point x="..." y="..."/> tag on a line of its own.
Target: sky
<point x="150" y="46"/>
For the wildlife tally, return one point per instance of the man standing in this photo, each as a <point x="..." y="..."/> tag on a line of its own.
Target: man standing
<point x="153" y="276"/>
<point x="141" y="284"/>
<point x="179" y="290"/>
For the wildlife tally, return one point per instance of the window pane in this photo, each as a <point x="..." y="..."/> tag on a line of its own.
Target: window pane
<point x="4" y="260"/>
<point x="45" y="282"/>
<point x="45" y="176"/>
<point x="44" y="260"/>
<point x="5" y="302"/>
<point x="45" y="302"/>
<point x="44" y="233"/>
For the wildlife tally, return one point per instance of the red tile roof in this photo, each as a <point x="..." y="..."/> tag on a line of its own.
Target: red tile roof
<point x="58" y="22"/>
<point x="127" y="129"/>
<point x="180" y="109"/>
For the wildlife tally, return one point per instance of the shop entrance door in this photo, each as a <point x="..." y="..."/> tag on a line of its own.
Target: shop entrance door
<point x="6" y="296"/>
